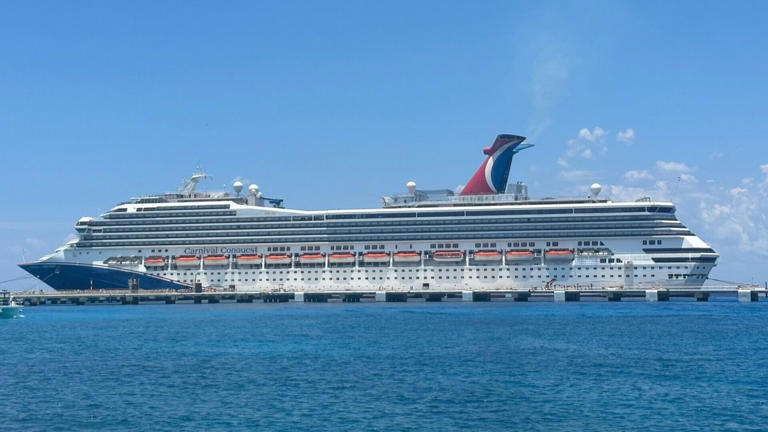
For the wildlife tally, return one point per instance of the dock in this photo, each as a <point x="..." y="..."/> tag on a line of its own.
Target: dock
<point x="135" y="297"/>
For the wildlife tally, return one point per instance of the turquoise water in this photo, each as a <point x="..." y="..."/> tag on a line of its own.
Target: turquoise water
<point x="416" y="366"/>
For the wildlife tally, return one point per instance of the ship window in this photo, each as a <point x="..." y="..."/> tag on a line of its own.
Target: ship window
<point x="477" y="245"/>
<point x="579" y="243"/>
<point x="515" y="244"/>
<point x="645" y="242"/>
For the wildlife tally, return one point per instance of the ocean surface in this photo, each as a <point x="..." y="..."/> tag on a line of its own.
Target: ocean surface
<point x="677" y="366"/>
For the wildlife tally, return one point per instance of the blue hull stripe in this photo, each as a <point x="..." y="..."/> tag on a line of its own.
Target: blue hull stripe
<point x="72" y="276"/>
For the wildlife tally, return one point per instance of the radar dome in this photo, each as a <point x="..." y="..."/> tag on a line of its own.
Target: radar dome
<point x="411" y="186"/>
<point x="237" y="186"/>
<point x="253" y="189"/>
<point x="595" y="188"/>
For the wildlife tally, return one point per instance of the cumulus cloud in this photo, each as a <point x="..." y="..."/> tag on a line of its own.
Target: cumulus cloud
<point x="673" y="167"/>
<point x="595" y="135"/>
<point x="626" y="136"/>
<point x="637" y="175"/>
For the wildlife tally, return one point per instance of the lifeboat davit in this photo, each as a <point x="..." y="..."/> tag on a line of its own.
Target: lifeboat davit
<point x="312" y="258"/>
<point x="154" y="261"/>
<point x="215" y="260"/>
<point x="341" y="258"/>
<point x="448" y="256"/>
<point x="188" y="261"/>
<point x="409" y="257"/>
<point x="486" y="255"/>
<point x="519" y="255"/>
<point x="559" y="255"/>
<point x="376" y="257"/>
<point x="278" y="259"/>
<point x="249" y="259"/>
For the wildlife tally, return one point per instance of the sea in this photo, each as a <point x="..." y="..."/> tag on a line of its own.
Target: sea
<point x="498" y="366"/>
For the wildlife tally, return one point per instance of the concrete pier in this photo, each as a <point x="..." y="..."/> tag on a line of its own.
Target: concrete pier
<point x="566" y="296"/>
<point x="657" y="295"/>
<point x="747" y="296"/>
<point x="198" y="296"/>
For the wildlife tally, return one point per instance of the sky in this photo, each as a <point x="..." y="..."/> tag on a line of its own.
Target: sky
<point x="333" y="104"/>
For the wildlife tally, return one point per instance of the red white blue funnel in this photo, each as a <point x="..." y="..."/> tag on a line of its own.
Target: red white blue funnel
<point x="491" y="177"/>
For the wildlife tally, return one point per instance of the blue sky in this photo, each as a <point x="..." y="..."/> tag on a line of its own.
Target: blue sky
<point x="332" y="104"/>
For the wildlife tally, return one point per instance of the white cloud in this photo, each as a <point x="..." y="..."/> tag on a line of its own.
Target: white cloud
<point x="562" y="162"/>
<point x="587" y="154"/>
<point x="638" y="175"/>
<point x="595" y="135"/>
<point x="576" y="175"/>
<point x="688" y="178"/>
<point x="626" y="136"/>
<point x="716" y="155"/>
<point x="672" y="166"/>
<point x="764" y="168"/>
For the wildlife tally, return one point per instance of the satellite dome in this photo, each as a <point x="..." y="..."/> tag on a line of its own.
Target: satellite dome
<point x="411" y="186"/>
<point x="237" y="186"/>
<point x="595" y="189"/>
<point x="253" y="189"/>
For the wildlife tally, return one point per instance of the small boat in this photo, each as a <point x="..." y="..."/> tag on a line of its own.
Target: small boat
<point x="486" y="255"/>
<point x="559" y="255"/>
<point x="8" y="307"/>
<point x="519" y="255"/>
<point x="312" y="258"/>
<point x="215" y="260"/>
<point x="448" y="256"/>
<point x="154" y="261"/>
<point x="188" y="261"/>
<point x="376" y="257"/>
<point x="254" y="259"/>
<point x="408" y="257"/>
<point x="278" y="259"/>
<point x="341" y="258"/>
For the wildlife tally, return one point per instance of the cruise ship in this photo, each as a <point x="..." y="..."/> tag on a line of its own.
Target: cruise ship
<point x="488" y="236"/>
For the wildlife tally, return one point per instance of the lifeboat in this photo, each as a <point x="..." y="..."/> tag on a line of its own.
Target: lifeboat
<point x="448" y="256"/>
<point x="559" y="255"/>
<point x="486" y="255"/>
<point x="519" y="255"/>
<point x="376" y="257"/>
<point x="214" y="260"/>
<point x="278" y="259"/>
<point x="407" y="257"/>
<point x="341" y="258"/>
<point x="249" y="259"/>
<point x="188" y="261"/>
<point x="312" y="258"/>
<point x="154" y="261"/>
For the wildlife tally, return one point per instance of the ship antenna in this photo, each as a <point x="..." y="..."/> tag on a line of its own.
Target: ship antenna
<point x="189" y="185"/>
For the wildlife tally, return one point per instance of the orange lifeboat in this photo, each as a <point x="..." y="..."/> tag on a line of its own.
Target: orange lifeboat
<point x="278" y="259"/>
<point x="376" y="257"/>
<point x="409" y="257"/>
<point x="249" y="259"/>
<point x="312" y="258"/>
<point x="188" y="261"/>
<point x="486" y="255"/>
<point x="559" y="255"/>
<point x="154" y="261"/>
<point x="448" y="256"/>
<point x="341" y="258"/>
<point x="215" y="260"/>
<point x="519" y="255"/>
